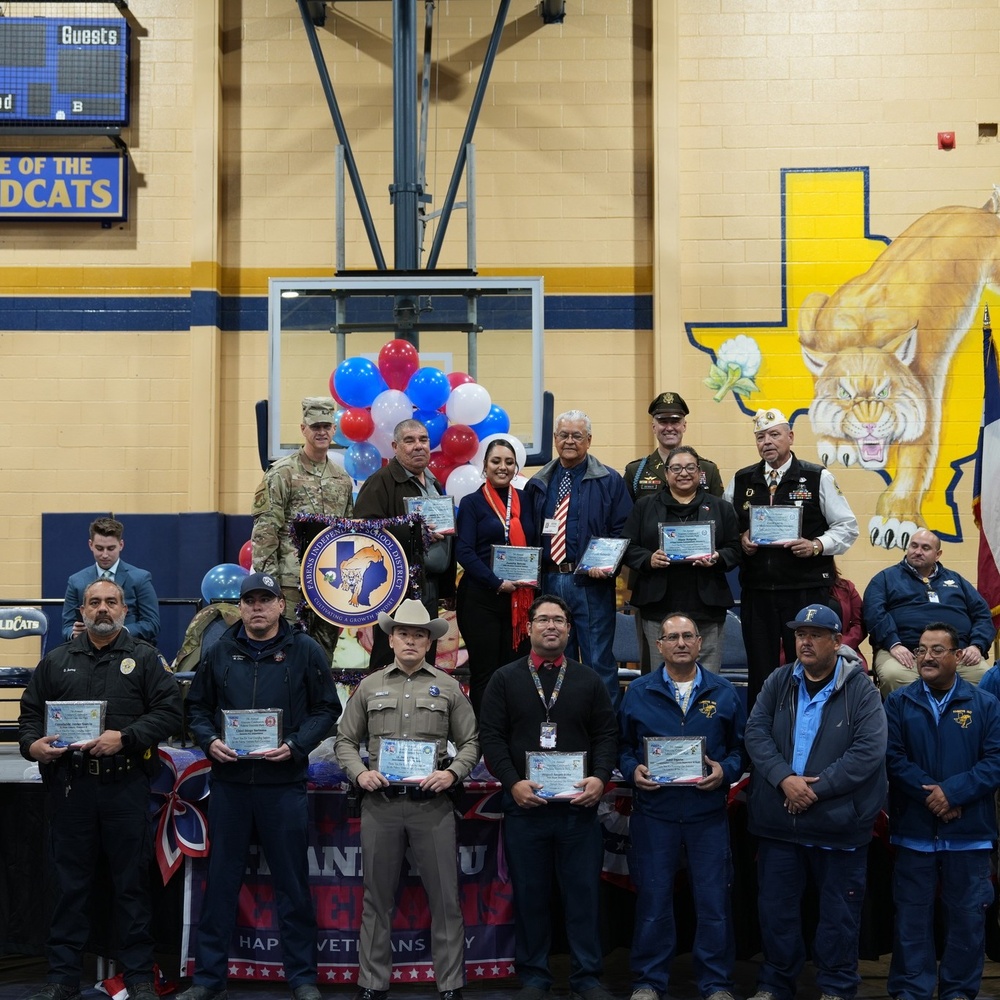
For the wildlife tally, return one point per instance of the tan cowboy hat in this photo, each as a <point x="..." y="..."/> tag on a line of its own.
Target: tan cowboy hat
<point x="412" y="613"/>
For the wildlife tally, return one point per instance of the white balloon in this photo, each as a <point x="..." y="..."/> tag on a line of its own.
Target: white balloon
<point x="467" y="404"/>
<point x="463" y="480"/>
<point x="519" y="482"/>
<point x="336" y="455"/>
<point x="519" y="452"/>
<point x="389" y="408"/>
<point x="383" y="441"/>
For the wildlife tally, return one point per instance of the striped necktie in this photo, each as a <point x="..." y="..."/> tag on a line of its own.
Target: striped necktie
<point x="558" y="547"/>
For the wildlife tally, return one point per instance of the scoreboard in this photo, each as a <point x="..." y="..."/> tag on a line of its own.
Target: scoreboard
<point x="63" y="71"/>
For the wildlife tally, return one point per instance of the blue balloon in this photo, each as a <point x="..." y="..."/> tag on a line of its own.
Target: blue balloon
<point x="338" y="434"/>
<point x="495" y="422"/>
<point x="222" y="583"/>
<point x="362" y="460"/>
<point x="428" y="389"/>
<point x="358" y="381"/>
<point x="435" y="422"/>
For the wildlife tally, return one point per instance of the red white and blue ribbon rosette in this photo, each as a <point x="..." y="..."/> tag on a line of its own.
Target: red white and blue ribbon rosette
<point x="181" y="826"/>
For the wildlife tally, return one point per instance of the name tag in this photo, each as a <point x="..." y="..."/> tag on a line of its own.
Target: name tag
<point x="550" y="527"/>
<point x="932" y="597"/>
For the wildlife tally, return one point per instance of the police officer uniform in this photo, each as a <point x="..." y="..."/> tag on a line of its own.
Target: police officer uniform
<point x="99" y="804"/>
<point x="426" y="704"/>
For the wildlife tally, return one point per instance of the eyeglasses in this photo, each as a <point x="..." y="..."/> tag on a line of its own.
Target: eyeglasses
<point x="679" y="469"/>
<point x="570" y="436"/>
<point x="677" y="636"/>
<point x="934" y="650"/>
<point x="557" y="620"/>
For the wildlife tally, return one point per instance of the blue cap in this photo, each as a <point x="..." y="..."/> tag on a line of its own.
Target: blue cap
<point x="260" y="581"/>
<point x="816" y="616"/>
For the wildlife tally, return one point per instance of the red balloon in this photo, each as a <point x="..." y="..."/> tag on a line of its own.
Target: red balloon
<point x="333" y="390"/>
<point x="246" y="555"/>
<point x="397" y="361"/>
<point x="440" y="464"/>
<point x="455" y="379"/>
<point x="356" y="423"/>
<point x="459" y="443"/>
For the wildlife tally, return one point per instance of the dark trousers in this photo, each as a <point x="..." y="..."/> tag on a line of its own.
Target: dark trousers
<point x="763" y="614"/>
<point x="88" y="820"/>
<point x="783" y="873"/>
<point x="966" y="892"/>
<point x="280" y="816"/>
<point x="565" y="843"/>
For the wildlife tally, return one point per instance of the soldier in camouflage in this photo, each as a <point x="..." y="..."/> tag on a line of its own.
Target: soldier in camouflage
<point x="308" y="481"/>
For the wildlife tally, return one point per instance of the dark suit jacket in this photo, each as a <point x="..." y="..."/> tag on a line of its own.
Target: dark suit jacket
<point x="143" y="618"/>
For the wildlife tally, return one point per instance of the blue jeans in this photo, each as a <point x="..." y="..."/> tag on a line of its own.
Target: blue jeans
<point x="592" y="638"/>
<point x="653" y="862"/>
<point x="839" y="876"/>
<point x="966" y="892"/>
<point x="565" y="842"/>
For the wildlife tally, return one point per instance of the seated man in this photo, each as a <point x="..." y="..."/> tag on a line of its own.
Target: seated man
<point x="106" y="543"/>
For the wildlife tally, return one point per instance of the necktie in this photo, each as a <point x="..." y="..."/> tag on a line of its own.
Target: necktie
<point x="106" y="575"/>
<point x="772" y="482"/>
<point x="558" y="547"/>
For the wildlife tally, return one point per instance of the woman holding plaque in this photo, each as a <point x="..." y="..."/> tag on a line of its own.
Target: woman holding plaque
<point x="492" y="613"/>
<point x="702" y="540"/>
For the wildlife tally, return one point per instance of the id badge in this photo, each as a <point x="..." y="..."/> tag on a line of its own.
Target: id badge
<point x="550" y="526"/>
<point x="547" y="738"/>
<point x="932" y="597"/>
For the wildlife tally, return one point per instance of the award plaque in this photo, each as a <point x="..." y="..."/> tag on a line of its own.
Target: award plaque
<point x="602" y="553"/>
<point x="74" y="722"/>
<point x="675" y="760"/>
<point x="556" y="772"/>
<point x="775" y="525"/>
<point x="439" y="511"/>
<point x="518" y="563"/>
<point x="688" y="542"/>
<point x="252" y="731"/>
<point x="407" y="761"/>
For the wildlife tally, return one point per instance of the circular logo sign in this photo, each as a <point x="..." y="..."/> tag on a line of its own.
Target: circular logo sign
<point x="349" y="577"/>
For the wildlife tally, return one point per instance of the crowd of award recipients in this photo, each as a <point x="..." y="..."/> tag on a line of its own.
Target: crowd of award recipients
<point x="826" y="748"/>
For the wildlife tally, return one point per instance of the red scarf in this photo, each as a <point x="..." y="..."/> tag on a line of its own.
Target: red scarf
<point x="522" y="597"/>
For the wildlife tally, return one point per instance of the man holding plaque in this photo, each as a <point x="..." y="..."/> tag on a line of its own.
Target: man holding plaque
<point x="406" y="713"/>
<point x="574" y="499"/>
<point x="817" y="739"/>
<point x="683" y="713"/>
<point x="384" y="494"/>
<point x="794" y="520"/>
<point x="549" y="735"/>
<point x="262" y="699"/>
<point x="98" y="787"/>
<point x="308" y="482"/>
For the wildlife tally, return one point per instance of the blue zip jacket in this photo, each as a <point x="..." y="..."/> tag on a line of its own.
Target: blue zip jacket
<point x="848" y="757"/>
<point x="292" y="673"/>
<point x="961" y="754"/>
<point x="604" y="506"/>
<point x="650" y="709"/>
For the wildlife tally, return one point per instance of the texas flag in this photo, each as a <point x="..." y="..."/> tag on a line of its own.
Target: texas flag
<point x="986" y="486"/>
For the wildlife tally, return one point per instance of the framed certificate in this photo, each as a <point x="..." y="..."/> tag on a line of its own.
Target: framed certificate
<point x="74" y="722"/>
<point x="775" y="525"/>
<point x="688" y="542"/>
<point x="252" y="731"/>
<point x="406" y="762"/>
<point x="439" y="511"/>
<point x="675" y="760"/>
<point x="603" y="553"/>
<point x="516" y="562"/>
<point x="556" y="772"/>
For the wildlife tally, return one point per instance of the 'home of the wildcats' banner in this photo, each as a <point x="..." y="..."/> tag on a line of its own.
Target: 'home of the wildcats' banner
<point x="63" y="186"/>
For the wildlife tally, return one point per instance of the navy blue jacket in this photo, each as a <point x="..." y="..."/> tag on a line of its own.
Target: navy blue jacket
<point x="292" y="674"/>
<point x="477" y="530"/>
<point x="961" y="754"/>
<point x="848" y="757"/>
<point x="650" y="709"/>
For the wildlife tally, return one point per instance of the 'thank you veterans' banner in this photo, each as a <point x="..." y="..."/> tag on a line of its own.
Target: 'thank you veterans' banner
<point x="336" y="879"/>
<point x="63" y="186"/>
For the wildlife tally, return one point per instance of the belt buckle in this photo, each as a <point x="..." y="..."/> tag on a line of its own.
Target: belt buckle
<point x="93" y="766"/>
<point x="566" y="567"/>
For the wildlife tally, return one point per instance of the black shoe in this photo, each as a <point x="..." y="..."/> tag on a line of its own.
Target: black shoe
<point x="202" y="993"/>
<point x="531" y="993"/>
<point x="451" y="995"/>
<point x="142" y="991"/>
<point x="369" y="994"/>
<point x="307" y="991"/>
<point x="56" y="991"/>
<point x="591" y="993"/>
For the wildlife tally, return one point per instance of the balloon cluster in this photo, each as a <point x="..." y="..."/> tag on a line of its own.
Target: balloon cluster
<point x="460" y="417"/>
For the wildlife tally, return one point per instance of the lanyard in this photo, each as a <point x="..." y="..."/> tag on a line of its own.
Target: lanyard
<point x="548" y="705"/>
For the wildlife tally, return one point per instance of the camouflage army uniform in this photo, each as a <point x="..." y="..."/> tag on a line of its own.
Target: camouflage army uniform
<point x="292" y="485"/>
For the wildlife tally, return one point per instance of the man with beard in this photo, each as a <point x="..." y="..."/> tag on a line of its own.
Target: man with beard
<point x="99" y="790"/>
